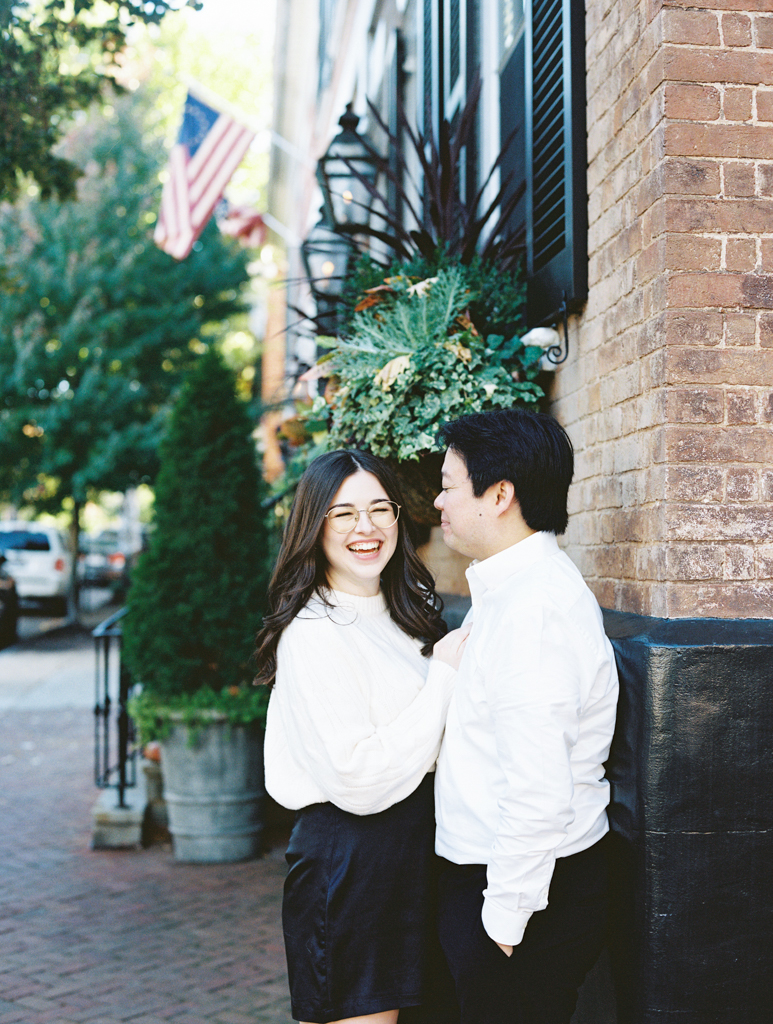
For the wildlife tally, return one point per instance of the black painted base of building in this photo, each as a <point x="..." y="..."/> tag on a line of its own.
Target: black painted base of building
<point x="691" y="771"/>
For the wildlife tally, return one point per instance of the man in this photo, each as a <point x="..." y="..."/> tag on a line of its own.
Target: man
<point x="520" y="791"/>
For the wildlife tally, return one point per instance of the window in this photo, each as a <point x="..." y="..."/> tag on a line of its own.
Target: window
<point x="540" y="62"/>
<point x="430" y="48"/>
<point x="510" y="26"/>
<point x="22" y="540"/>
<point x="328" y="14"/>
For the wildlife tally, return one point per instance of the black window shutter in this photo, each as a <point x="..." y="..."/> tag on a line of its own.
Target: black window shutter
<point x="511" y="126"/>
<point x="454" y="41"/>
<point x="392" y="100"/>
<point x="430" y="30"/>
<point x="556" y="157"/>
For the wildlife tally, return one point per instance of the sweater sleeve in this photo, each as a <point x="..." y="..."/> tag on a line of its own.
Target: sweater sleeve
<point x="322" y="697"/>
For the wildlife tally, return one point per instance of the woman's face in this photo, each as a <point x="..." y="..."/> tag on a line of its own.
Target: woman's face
<point x="355" y="560"/>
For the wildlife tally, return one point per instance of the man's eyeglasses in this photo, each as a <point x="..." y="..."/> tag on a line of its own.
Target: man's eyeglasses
<point x="344" y="518"/>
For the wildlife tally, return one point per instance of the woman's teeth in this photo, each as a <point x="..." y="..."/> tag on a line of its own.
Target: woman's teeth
<point x="370" y="546"/>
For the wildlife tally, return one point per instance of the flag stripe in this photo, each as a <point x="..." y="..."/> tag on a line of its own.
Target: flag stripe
<point x="200" y="158"/>
<point x="180" y="206"/>
<point x="196" y="183"/>
<point x="200" y="182"/>
<point x="222" y="176"/>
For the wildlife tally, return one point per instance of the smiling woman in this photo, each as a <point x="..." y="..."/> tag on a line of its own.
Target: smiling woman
<point x="355" y="718"/>
<point x="356" y="546"/>
<point x="303" y="570"/>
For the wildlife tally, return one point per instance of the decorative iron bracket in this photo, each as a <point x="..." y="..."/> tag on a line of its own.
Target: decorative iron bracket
<point x="554" y="353"/>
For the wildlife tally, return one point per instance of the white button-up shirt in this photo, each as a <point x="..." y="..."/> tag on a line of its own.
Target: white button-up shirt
<point x="520" y="777"/>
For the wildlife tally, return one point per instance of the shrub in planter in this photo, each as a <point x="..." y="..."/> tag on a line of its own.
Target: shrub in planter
<point x="196" y="599"/>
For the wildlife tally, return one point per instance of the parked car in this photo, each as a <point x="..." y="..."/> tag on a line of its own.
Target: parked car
<point x="105" y="561"/>
<point x="38" y="558"/>
<point x="9" y="606"/>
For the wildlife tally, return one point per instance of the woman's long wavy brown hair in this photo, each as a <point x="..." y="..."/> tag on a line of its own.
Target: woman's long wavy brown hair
<point x="301" y="568"/>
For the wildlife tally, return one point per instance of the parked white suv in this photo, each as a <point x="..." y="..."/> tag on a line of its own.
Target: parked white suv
<point x="38" y="558"/>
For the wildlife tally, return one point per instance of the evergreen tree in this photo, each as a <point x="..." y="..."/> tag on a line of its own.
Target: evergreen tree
<point x="197" y="594"/>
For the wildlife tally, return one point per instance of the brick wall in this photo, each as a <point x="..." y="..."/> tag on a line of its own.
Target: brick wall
<point x="668" y="394"/>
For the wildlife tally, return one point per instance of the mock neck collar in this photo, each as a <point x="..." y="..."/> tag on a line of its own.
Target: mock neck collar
<point x="362" y="605"/>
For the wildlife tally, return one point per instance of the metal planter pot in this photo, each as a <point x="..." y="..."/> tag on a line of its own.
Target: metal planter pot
<point x="214" y="792"/>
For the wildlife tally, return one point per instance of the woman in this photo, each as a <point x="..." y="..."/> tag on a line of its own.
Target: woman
<point x="354" y="726"/>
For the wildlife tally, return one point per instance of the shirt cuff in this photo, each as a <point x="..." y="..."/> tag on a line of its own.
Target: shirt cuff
<point x="505" y="926"/>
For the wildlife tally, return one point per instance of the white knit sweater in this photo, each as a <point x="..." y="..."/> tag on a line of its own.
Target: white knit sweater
<point x="356" y="714"/>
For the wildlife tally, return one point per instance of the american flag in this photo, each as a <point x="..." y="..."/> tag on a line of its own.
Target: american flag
<point x="208" y="150"/>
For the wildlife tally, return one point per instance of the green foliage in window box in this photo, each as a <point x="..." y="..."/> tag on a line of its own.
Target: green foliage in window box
<point x="496" y="296"/>
<point x="413" y="357"/>
<point x="197" y="595"/>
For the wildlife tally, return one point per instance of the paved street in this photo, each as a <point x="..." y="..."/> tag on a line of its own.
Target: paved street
<point x="113" y="936"/>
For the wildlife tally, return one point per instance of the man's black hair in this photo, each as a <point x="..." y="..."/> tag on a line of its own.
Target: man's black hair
<point x="530" y="449"/>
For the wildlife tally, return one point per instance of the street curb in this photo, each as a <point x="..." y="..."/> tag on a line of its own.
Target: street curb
<point x="68" y="626"/>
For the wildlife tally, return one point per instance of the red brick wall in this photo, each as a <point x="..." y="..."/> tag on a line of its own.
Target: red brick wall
<point x="668" y="393"/>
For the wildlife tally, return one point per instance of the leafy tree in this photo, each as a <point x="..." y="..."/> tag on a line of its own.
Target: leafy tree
<point x="197" y="594"/>
<point x="57" y="57"/>
<point x="97" y="325"/>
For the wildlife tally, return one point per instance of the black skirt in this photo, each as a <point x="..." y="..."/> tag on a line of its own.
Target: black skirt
<point x="359" y="913"/>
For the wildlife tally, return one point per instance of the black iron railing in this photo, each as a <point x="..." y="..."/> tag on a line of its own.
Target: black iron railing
<point x="114" y="749"/>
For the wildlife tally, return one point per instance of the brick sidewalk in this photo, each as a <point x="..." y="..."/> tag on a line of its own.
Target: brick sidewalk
<point x="108" y="937"/>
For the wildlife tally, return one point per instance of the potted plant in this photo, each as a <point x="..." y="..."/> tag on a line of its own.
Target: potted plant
<point x="193" y="610"/>
<point x="435" y="333"/>
<point x="415" y="354"/>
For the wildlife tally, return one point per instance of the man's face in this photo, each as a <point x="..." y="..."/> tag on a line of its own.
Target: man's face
<point x="462" y="516"/>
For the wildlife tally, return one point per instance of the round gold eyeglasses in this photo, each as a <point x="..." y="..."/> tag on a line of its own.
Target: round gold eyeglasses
<point x="382" y="514"/>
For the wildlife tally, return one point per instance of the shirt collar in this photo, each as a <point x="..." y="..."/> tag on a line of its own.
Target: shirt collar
<point x="494" y="570"/>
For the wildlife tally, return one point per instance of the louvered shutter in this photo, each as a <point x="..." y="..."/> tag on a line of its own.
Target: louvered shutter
<point x="511" y="123"/>
<point x="393" y="95"/>
<point x="429" y="48"/>
<point x="455" y="57"/>
<point x="556" y="198"/>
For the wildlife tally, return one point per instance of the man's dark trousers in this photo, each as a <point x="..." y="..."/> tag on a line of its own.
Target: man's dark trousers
<point x="538" y="984"/>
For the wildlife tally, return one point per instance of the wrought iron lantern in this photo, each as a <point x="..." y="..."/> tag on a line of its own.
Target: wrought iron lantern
<point x="325" y="256"/>
<point x="346" y="196"/>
